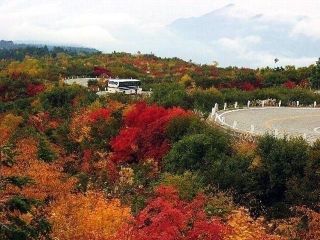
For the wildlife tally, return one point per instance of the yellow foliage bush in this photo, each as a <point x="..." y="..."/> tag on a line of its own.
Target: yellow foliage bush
<point x="8" y="124"/>
<point x="243" y="227"/>
<point x="85" y="217"/>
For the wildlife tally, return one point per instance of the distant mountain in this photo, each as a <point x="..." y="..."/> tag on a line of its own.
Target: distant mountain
<point x="18" y="51"/>
<point x="8" y="45"/>
<point x="246" y="35"/>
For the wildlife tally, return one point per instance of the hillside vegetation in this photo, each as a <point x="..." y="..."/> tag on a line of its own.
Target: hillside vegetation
<point x="78" y="166"/>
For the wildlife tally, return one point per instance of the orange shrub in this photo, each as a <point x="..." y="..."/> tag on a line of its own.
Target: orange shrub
<point x="47" y="180"/>
<point x="244" y="227"/>
<point x="89" y="216"/>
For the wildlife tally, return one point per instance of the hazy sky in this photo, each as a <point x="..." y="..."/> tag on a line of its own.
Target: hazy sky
<point x="132" y="25"/>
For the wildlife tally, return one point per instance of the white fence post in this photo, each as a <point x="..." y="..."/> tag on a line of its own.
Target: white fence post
<point x="216" y="106"/>
<point x="236" y="105"/>
<point x="314" y="104"/>
<point x="213" y="111"/>
<point x="225" y="106"/>
<point x="298" y="103"/>
<point x="280" y="103"/>
<point x="262" y="103"/>
<point x="248" y="104"/>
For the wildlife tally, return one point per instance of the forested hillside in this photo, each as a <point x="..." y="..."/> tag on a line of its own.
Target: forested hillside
<point x="74" y="165"/>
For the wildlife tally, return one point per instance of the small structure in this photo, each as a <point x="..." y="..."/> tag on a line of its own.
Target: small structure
<point x="236" y="105"/>
<point x="225" y="106"/>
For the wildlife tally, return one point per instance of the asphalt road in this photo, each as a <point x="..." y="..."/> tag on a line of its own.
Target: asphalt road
<point x="284" y="121"/>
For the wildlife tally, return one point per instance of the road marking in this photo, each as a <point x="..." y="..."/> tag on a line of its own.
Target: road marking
<point x="268" y="123"/>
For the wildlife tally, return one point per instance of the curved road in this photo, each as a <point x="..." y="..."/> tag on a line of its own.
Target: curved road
<point x="284" y="120"/>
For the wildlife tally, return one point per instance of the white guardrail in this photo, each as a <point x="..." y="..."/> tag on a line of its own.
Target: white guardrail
<point x="220" y="118"/>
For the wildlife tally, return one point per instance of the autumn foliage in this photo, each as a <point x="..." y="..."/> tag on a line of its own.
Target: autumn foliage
<point x="289" y="84"/>
<point x="89" y="216"/>
<point x="82" y="122"/>
<point x="168" y="217"/>
<point x="311" y="221"/>
<point x="143" y="134"/>
<point x="34" y="89"/>
<point x="47" y="182"/>
<point x="245" y="227"/>
<point x="42" y="121"/>
<point x="75" y="165"/>
<point x="99" y="114"/>
<point x="8" y="124"/>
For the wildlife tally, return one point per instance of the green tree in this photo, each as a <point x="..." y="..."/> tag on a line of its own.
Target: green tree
<point x="283" y="166"/>
<point x="204" y="100"/>
<point x="185" y="125"/>
<point x="44" y="152"/>
<point x="170" y="95"/>
<point x="188" y="184"/>
<point x="197" y="152"/>
<point x="315" y="76"/>
<point x="273" y="79"/>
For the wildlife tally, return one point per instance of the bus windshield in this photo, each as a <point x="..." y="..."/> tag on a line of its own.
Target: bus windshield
<point x="113" y="83"/>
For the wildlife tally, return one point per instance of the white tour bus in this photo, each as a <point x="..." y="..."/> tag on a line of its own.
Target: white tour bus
<point x="126" y="86"/>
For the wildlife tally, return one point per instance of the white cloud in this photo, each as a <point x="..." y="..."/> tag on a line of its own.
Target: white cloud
<point x="241" y="49"/>
<point x="131" y="25"/>
<point x="239" y="44"/>
<point x="308" y="27"/>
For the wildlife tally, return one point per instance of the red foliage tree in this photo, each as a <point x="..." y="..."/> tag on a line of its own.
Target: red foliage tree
<point x="43" y="121"/>
<point x="125" y="144"/>
<point x="99" y="114"/>
<point x="34" y="89"/>
<point x="247" y="86"/>
<point x="289" y="84"/>
<point x="144" y="133"/>
<point x="304" y="83"/>
<point x="101" y="71"/>
<point x="168" y="217"/>
<point x="87" y="155"/>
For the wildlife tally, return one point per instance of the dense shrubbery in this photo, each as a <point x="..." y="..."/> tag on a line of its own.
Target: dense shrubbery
<point x="204" y="100"/>
<point x="169" y="95"/>
<point x="268" y="178"/>
<point x="203" y="150"/>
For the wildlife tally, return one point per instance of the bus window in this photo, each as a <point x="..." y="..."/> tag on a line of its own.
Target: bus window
<point x="129" y="84"/>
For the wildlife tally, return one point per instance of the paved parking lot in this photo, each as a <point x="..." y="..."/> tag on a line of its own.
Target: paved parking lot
<point x="284" y="121"/>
